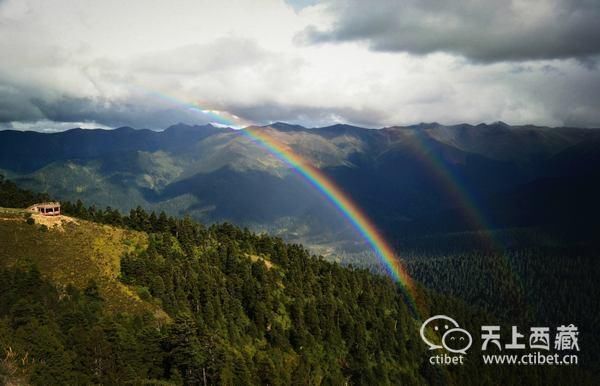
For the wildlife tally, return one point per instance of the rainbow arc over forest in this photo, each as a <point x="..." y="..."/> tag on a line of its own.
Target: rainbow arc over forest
<point x="334" y="194"/>
<point x="345" y="206"/>
<point x="342" y="202"/>
<point x="423" y="150"/>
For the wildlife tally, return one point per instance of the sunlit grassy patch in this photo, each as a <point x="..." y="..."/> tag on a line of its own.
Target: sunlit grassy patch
<point x="81" y="252"/>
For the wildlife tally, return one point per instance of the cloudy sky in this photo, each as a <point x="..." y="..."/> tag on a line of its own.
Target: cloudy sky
<point x="150" y="64"/>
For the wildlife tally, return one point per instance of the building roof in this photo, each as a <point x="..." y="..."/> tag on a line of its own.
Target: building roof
<point x="45" y="205"/>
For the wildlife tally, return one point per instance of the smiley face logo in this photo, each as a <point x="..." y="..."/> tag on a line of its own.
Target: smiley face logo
<point x="454" y="338"/>
<point x="440" y="324"/>
<point x="457" y="340"/>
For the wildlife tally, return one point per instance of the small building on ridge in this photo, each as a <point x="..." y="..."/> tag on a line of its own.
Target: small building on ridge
<point x="46" y="208"/>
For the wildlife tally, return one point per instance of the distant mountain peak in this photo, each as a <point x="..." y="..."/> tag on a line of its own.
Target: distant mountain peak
<point x="285" y="126"/>
<point x="342" y="126"/>
<point x="417" y="126"/>
<point x="496" y="124"/>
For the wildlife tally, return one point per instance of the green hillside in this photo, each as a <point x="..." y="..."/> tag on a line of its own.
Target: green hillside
<point x="151" y="299"/>
<point x="243" y="307"/>
<point x="75" y="252"/>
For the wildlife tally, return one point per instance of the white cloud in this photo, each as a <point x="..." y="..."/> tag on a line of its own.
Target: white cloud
<point x="47" y="126"/>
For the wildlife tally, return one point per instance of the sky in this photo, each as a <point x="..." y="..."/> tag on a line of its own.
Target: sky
<point x="151" y="64"/>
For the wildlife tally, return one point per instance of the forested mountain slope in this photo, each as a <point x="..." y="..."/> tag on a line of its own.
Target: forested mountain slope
<point x="242" y="309"/>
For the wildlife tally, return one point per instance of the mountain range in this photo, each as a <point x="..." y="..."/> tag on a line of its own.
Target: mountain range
<point x="412" y="181"/>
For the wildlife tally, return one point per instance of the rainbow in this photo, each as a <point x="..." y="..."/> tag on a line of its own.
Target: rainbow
<point x="336" y="196"/>
<point x="341" y="201"/>
<point x="460" y="196"/>
<point x="344" y="204"/>
<point x="211" y="114"/>
<point x="457" y="193"/>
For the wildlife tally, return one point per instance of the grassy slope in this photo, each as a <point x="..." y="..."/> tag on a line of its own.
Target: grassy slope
<point x="75" y="254"/>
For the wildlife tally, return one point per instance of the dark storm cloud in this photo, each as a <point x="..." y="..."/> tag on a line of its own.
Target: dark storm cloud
<point x="139" y="113"/>
<point x="483" y="31"/>
<point x="15" y="106"/>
